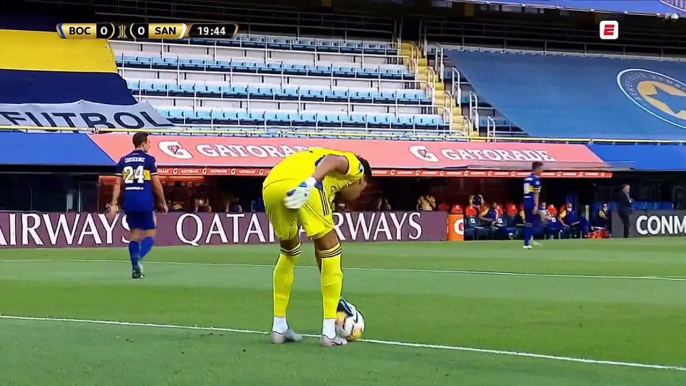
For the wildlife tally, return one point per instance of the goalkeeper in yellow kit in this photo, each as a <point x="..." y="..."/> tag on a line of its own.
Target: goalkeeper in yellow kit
<point x="299" y="191"/>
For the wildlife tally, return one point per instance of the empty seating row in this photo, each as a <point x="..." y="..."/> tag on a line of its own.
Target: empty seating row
<point x="243" y="66"/>
<point x="160" y="87"/>
<point x="282" y="118"/>
<point x="302" y="44"/>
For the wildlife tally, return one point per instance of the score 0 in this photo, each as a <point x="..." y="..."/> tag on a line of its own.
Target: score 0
<point x="139" y="31"/>
<point x="86" y="30"/>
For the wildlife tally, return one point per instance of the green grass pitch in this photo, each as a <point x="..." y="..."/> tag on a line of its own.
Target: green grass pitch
<point x="620" y="301"/>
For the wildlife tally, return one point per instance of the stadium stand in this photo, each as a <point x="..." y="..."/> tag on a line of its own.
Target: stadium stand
<point x="275" y="81"/>
<point x="528" y="38"/>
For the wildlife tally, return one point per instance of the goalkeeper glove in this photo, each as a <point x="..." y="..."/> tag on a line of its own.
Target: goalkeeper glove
<point x="298" y="196"/>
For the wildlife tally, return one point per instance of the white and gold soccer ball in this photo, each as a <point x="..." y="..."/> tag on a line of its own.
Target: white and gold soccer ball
<point x="348" y="326"/>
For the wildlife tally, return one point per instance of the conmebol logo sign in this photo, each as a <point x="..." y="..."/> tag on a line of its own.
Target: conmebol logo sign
<point x="655" y="225"/>
<point x="661" y="223"/>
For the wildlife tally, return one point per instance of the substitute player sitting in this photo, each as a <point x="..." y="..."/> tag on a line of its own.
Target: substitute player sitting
<point x="137" y="171"/>
<point x="299" y="191"/>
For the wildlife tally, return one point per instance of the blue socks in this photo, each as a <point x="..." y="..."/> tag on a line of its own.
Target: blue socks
<point x="134" y="251"/>
<point x="138" y="249"/>
<point x="146" y="246"/>
<point x="528" y="232"/>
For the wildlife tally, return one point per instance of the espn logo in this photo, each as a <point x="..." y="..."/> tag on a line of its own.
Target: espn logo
<point x="609" y="30"/>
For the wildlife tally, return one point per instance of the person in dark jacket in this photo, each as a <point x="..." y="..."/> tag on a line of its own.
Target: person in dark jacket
<point x="624" y="202"/>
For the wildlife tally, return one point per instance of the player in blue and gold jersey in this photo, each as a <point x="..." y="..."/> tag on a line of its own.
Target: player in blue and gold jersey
<point x="532" y="190"/>
<point x="299" y="192"/>
<point x="137" y="174"/>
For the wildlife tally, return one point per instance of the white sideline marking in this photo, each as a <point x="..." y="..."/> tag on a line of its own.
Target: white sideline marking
<point x="443" y="271"/>
<point x="382" y="342"/>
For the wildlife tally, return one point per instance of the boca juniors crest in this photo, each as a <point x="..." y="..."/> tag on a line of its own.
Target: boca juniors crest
<point x="657" y="94"/>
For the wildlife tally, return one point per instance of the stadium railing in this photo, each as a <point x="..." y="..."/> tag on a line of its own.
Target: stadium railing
<point x="548" y="38"/>
<point x="430" y="135"/>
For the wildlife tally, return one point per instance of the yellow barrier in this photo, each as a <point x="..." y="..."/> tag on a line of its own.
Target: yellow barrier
<point x="332" y="132"/>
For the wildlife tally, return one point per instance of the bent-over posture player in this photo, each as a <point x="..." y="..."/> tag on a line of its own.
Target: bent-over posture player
<point x="299" y="191"/>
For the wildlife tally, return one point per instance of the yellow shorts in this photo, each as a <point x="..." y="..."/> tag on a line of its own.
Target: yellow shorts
<point x="315" y="216"/>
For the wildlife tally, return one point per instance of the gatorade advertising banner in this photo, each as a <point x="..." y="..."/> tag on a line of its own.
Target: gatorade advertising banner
<point x="214" y="153"/>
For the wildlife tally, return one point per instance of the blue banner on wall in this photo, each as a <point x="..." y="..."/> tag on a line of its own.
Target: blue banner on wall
<point x="63" y="87"/>
<point x="51" y="149"/>
<point x="621" y="6"/>
<point x="581" y="97"/>
<point x="644" y="157"/>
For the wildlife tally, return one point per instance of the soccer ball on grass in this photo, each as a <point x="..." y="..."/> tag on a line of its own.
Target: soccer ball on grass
<point x="349" y="321"/>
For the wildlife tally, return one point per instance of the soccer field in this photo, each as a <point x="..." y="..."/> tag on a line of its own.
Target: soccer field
<point x="592" y="312"/>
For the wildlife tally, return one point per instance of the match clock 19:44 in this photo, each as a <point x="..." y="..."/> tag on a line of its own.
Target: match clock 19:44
<point x="212" y="30"/>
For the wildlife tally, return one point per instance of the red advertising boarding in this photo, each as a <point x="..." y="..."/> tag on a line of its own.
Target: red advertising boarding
<point x="178" y="155"/>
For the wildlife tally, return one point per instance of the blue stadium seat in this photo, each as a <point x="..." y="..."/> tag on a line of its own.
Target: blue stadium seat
<point x="288" y="93"/>
<point x="380" y="120"/>
<point x="386" y="97"/>
<point x="275" y="68"/>
<point x="199" y="116"/>
<point x="303" y="44"/>
<point x="146" y="87"/>
<point x="143" y="61"/>
<point x="172" y="89"/>
<point x="170" y="62"/>
<point x="319" y="70"/>
<point x="175" y="115"/>
<point x="312" y="95"/>
<point x="240" y="65"/>
<point x="308" y="119"/>
<point x="214" y="91"/>
<point x="243" y="117"/>
<point x="360" y="96"/>
<point x="346" y="71"/>
<point x="244" y="66"/>
<point x="236" y="91"/>
<point x="279" y="118"/>
<point x="185" y="63"/>
<point x="228" y="117"/>
<point x="404" y="122"/>
<point x="198" y="63"/>
<point x="338" y="95"/>
<point x="159" y="87"/>
<point x="352" y="48"/>
<point x="355" y="120"/>
<point x="218" y="117"/>
<point x="133" y="85"/>
<point x="295" y="69"/>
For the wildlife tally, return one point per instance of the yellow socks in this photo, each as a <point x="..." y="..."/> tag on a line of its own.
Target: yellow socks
<point x="332" y="280"/>
<point x="283" y="281"/>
